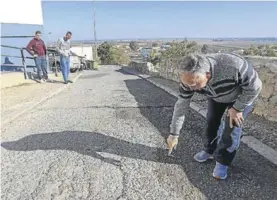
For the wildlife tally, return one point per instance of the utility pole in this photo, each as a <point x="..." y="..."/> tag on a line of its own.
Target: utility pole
<point x="49" y="38"/>
<point x="94" y="26"/>
<point x="47" y="55"/>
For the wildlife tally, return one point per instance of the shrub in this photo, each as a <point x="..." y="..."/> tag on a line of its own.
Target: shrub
<point x="270" y="53"/>
<point x="110" y="55"/>
<point x="179" y="49"/>
<point x="155" y="44"/>
<point x="134" y="45"/>
<point x="204" y="49"/>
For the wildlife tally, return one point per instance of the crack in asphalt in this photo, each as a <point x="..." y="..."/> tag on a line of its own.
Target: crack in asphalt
<point x="124" y="181"/>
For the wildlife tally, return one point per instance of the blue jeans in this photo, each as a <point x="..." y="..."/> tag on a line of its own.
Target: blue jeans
<point x="65" y="66"/>
<point x="41" y="65"/>
<point x="221" y="140"/>
<point x="236" y="133"/>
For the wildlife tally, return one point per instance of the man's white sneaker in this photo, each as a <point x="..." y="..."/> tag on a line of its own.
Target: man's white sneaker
<point x="202" y="156"/>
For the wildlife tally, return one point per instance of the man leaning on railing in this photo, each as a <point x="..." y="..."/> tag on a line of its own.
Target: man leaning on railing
<point x="37" y="48"/>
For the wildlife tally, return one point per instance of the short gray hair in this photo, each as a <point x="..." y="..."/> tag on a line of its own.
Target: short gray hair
<point x="194" y="63"/>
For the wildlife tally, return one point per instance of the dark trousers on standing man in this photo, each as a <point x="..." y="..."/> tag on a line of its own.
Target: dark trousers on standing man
<point x="222" y="141"/>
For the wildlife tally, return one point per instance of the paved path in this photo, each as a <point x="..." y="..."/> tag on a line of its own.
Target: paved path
<point x="17" y="99"/>
<point x="103" y="139"/>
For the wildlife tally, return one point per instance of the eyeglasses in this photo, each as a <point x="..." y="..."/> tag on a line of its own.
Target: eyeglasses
<point x="192" y="85"/>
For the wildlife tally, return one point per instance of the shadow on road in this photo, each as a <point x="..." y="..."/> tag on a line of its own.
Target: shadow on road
<point x="122" y="71"/>
<point x="93" y="143"/>
<point x="255" y="178"/>
<point x="86" y="143"/>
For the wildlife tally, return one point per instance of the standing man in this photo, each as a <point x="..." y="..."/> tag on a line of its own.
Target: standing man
<point x="231" y="84"/>
<point x="37" y="49"/>
<point x="63" y="47"/>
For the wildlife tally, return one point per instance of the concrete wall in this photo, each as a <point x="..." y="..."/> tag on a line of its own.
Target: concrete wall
<point x="266" y="67"/>
<point x="267" y="102"/>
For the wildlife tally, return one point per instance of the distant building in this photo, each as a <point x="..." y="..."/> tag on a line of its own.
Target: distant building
<point x="240" y="51"/>
<point x="19" y="22"/>
<point x="146" y="51"/>
<point x="156" y="48"/>
<point x="165" y="46"/>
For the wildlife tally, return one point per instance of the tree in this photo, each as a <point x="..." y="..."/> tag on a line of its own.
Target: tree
<point x="270" y="53"/>
<point x="254" y="51"/>
<point x="179" y="49"/>
<point x="204" y="49"/>
<point x="261" y="47"/>
<point x="247" y="52"/>
<point x="190" y="44"/>
<point x="119" y="56"/>
<point x="257" y="52"/>
<point x="155" y="44"/>
<point x="103" y="52"/>
<point x="154" y="58"/>
<point x="134" y="45"/>
<point x="110" y="55"/>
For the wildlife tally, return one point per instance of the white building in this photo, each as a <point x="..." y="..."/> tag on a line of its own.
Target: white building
<point x="19" y="18"/>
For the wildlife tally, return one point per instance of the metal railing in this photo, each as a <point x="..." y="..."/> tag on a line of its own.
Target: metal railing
<point x="23" y="59"/>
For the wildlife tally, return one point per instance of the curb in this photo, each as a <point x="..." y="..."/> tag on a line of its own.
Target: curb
<point x="250" y="141"/>
<point x="38" y="103"/>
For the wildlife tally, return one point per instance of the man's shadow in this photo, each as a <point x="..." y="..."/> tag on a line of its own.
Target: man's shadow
<point x="93" y="144"/>
<point x="88" y="143"/>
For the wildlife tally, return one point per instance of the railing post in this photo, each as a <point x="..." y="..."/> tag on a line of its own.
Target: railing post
<point x="24" y="64"/>
<point x="55" y="63"/>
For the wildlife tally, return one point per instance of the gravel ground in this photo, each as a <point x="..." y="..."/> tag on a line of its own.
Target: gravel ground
<point x="104" y="138"/>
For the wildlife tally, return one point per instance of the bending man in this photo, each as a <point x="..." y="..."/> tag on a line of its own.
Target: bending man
<point x="231" y="84"/>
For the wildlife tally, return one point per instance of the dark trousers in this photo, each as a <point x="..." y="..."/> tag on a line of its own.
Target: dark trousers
<point x="41" y="65"/>
<point x="221" y="140"/>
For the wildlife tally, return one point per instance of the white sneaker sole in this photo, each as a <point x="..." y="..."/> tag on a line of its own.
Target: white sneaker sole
<point x="201" y="161"/>
<point x="219" y="178"/>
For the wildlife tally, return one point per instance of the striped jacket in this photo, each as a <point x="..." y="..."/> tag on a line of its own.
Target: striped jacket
<point x="233" y="79"/>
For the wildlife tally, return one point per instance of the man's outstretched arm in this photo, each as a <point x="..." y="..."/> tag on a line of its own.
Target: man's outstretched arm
<point x="180" y="109"/>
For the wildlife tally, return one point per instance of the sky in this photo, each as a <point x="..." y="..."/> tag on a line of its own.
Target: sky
<point x="116" y="20"/>
<point x="146" y="19"/>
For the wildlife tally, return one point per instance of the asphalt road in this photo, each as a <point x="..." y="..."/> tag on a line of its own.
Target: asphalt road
<point x="103" y="138"/>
